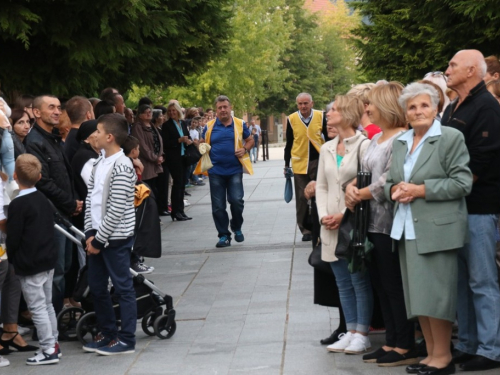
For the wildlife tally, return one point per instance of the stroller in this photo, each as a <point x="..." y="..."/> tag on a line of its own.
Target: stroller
<point x="80" y="323"/>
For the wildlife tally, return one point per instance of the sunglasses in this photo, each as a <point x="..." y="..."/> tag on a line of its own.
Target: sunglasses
<point x="437" y="74"/>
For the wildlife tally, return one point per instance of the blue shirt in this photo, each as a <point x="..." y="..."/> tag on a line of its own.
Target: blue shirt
<point x="403" y="220"/>
<point x="222" y="151"/>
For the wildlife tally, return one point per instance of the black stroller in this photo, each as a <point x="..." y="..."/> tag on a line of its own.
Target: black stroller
<point x="80" y="323"/>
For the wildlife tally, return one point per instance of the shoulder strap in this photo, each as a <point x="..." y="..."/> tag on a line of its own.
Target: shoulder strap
<point x="360" y="168"/>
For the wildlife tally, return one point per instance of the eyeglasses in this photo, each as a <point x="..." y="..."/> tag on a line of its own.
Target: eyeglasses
<point x="437" y="74"/>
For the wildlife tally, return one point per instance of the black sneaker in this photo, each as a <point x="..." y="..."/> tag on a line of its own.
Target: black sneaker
<point x="141" y="268"/>
<point x="43" y="358"/>
<point x="224" y="241"/>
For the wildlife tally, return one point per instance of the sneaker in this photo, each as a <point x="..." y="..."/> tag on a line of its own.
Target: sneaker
<point x="115" y="347"/>
<point x="358" y="345"/>
<point x="339" y="346"/>
<point x="58" y="350"/>
<point x="99" y="342"/>
<point x="186" y="203"/>
<point x="140" y="268"/>
<point x="43" y="358"/>
<point x="238" y="236"/>
<point x="189" y="185"/>
<point x="4" y="362"/>
<point x="200" y="183"/>
<point x="224" y="241"/>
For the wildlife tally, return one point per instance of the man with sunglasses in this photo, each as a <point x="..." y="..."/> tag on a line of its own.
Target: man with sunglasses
<point x="477" y="115"/>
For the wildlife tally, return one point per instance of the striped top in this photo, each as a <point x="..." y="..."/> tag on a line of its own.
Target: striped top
<point x="118" y="218"/>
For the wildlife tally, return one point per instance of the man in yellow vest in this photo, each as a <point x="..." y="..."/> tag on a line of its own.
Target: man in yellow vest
<point x="305" y="133"/>
<point x="230" y="142"/>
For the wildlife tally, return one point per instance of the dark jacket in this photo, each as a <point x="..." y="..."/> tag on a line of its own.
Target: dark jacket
<point x="57" y="176"/>
<point x="171" y="136"/>
<point x="146" y="150"/>
<point x="19" y="148"/>
<point x="30" y="243"/>
<point x="478" y="118"/>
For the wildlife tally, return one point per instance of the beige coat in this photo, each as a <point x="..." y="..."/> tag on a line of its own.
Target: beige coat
<point x="330" y="197"/>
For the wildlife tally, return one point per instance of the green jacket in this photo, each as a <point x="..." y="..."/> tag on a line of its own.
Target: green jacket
<point x="440" y="220"/>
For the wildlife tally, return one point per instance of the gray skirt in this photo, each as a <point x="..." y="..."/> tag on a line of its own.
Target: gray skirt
<point x="429" y="282"/>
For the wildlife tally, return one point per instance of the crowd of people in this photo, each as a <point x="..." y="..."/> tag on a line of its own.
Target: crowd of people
<point x="78" y="157"/>
<point x="431" y="257"/>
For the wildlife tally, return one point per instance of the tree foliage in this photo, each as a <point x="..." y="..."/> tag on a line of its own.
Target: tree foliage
<point x="68" y="46"/>
<point x="404" y="39"/>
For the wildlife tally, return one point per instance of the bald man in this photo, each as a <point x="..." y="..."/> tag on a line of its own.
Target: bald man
<point x="477" y="115"/>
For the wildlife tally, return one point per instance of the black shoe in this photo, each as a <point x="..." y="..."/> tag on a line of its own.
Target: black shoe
<point x="415" y="369"/>
<point x="306" y="237"/>
<point x="187" y="194"/>
<point x="373" y="356"/>
<point x="428" y="370"/>
<point x="479" y="363"/>
<point x="334" y="337"/>
<point x="460" y="357"/>
<point x="178" y="217"/>
<point x="164" y="213"/>
<point x="10" y="342"/>
<point x="393" y="359"/>
<point x="186" y="216"/>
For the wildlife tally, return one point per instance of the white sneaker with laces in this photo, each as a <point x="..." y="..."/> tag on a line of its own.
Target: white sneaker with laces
<point x="358" y="345"/>
<point x="339" y="346"/>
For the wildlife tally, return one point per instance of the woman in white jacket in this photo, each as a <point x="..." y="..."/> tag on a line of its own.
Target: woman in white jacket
<point x="337" y="167"/>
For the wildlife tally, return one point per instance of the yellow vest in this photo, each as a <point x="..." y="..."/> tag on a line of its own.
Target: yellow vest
<point x="238" y="143"/>
<point x="303" y="137"/>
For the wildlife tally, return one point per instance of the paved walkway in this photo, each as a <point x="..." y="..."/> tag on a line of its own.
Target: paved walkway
<point x="246" y="309"/>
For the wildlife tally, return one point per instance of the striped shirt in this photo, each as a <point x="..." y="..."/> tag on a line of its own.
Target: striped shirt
<point x="118" y="211"/>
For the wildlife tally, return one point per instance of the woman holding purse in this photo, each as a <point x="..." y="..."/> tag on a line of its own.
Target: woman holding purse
<point x="385" y="272"/>
<point x="337" y="166"/>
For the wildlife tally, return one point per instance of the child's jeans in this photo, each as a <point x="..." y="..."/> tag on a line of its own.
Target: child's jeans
<point x="253" y="152"/>
<point x="114" y="262"/>
<point x="37" y="291"/>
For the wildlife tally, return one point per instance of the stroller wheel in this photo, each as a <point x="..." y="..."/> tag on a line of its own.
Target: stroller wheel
<point x="163" y="329"/>
<point x="147" y="323"/>
<point x="67" y="320"/>
<point x="86" y="329"/>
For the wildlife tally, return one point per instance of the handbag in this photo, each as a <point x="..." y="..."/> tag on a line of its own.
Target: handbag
<point x="352" y="242"/>
<point x="316" y="261"/>
<point x="191" y="154"/>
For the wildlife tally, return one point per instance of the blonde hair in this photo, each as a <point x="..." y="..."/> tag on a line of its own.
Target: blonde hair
<point x="385" y="98"/>
<point x="28" y="169"/>
<point x="351" y="108"/>
<point x="177" y="108"/>
<point x="361" y="91"/>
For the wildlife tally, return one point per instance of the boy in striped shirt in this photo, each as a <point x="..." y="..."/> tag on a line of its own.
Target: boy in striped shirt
<point x="109" y="229"/>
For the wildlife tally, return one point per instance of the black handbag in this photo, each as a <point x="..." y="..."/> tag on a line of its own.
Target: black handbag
<point x="191" y="154"/>
<point x="316" y="261"/>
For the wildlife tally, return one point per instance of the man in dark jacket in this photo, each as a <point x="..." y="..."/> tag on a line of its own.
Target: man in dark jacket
<point x="56" y="182"/>
<point x="477" y="115"/>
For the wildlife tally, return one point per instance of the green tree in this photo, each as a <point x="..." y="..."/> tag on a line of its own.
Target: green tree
<point x="251" y="66"/>
<point x="404" y="39"/>
<point x="68" y="46"/>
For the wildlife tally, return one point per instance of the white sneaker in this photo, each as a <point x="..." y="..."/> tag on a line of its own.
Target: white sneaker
<point x="339" y="346"/>
<point x="359" y="344"/>
<point x="186" y="203"/>
<point x="4" y="362"/>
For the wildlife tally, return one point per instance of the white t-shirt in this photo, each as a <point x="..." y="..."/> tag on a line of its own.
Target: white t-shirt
<point x="193" y="133"/>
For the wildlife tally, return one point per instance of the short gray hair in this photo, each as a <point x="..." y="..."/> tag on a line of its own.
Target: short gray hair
<point x="415" y="89"/>
<point x="221" y="98"/>
<point x="304" y="94"/>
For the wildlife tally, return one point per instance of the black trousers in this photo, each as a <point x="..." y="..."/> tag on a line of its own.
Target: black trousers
<point x="162" y="186"/>
<point x="385" y="274"/>
<point x="177" y="169"/>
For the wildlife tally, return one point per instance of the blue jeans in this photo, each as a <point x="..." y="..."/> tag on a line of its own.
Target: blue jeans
<point x="114" y="262"/>
<point x="356" y="296"/>
<point x="63" y="265"/>
<point x="232" y="187"/>
<point x="478" y="292"/>
<point x="253" y="154"/>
